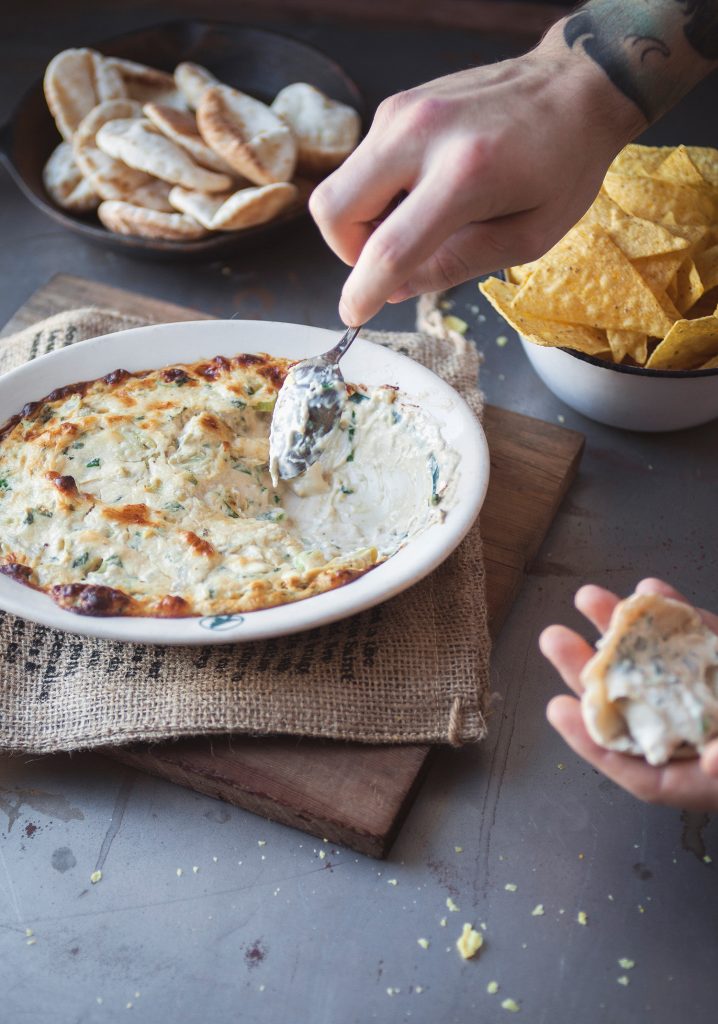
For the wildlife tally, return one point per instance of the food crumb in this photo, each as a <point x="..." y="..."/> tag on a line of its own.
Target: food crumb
<point x="561" y="910"/>
<point x="626" y="964"/>
<point x="214" y="859"/>
<point x="581" y="917"/>
<point x="455" y="323"/>
<point x="31" y="942"/>
<point x="261" y="988"/>
<point x="561" y="418"/>
<point x="482" y="926"/>
<point x="641" y="909"/>
<point x="418" y="989"/>
<point x="581" y="856"/>
<point x="469" y="942"/>
<point x="442" y="922"/>
<point x="538" y="910"/>
<point x="261" y="842"/>
<point x="179" y="872"/>
<point x="424" y="943"/>
<point x="502" y="340"/>
<point x="610" y="896"/>
<point x="511" y="887"/>
<point x="195" y="869"/>
<point x="623" y="980"/>
<point x="29" y="932"/>
<point x="492" y="988"/>
<point x="451" y="905"/>
<point x="707" y="859"/>
<point x="446" y="304"/>
<point x="393" y="991"/>
<point x="392" y="881"/>
<point x="460" y="849"/>
<point x="128" y="1006"/>
<point x="511" y="1005"/>
<point x="137" y="995"/>
<point x="95" y="877"/>
<point x="322" y="854"/>
<point x="560" y="766"/>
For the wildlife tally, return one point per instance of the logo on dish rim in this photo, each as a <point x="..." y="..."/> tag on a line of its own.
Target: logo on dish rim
<point x="221" y="622"/>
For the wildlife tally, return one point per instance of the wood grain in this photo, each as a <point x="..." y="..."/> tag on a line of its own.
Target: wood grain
<point x="352" y="794"/>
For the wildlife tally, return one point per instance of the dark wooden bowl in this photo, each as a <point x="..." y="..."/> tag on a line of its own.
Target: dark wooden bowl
<point x="255" y="61"/>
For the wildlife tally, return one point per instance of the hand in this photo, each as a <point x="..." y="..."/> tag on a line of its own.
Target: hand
<point x="690" y="784"/>
<point x="495" y="165"/>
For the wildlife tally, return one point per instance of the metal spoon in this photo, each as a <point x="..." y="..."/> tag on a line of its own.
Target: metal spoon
<point x="308" y="406"/>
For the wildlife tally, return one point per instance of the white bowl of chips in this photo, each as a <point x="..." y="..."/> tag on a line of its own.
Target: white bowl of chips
<point x="620" y="317"/>
<point x="629" y="397"/>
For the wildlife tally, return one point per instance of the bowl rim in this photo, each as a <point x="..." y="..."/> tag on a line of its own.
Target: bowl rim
<point x="637" y="371"/>
<point x="90" y="229"/>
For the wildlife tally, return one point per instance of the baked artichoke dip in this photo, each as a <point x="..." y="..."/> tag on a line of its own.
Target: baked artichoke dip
<point x="149" y="493"/>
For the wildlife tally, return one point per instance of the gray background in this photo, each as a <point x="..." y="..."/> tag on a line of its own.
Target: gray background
<point x="275" y="933"/>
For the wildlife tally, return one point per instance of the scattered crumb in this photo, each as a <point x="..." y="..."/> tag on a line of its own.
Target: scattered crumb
<point x="707" y="859"/>
<point x="31" y="942"/>
<point x="29" y="932"/>
<point x="128" y="1006"/>
<point x="561" y="910"/>
<point x="322" y="854"/>
<point x="214" y="859"/>
<point x="581" y="856"/>
<point x="418" y="989"/>
<point x="469" y="942"/>
<point x="481" y="318"/>
<point x="446" y="304"/>
<point x="538" y="910"/>
<point x="392" y="881"/>
<point x="524" y="945"/>
<point x="501" y="856"/>
<point x="502" y="340"/>
<point x="393" y="991"/>
<point x="137" y="995"/>
<point x="623" y="980"/>
<point x="560" y="766"/>
<point x="261" y="988"/>
<point x="95" y="877"/>
<point x="179" y="872"/>
<point x="561" y="418"/>
<point x="261" y="842"/>
<point x="324" y="839"/>
<point x="262" y="857"/>
<point x="442" y="922"/>
<point x="451" y="905"/>
<point x="492" y="988"/>
<point x="626" y="964"/>
<point x="195" y="869"/>
<point x="424" y="943"/>
<point x="641" y="910"/>
<point x="511" y="887"/>
<point x="511" y="1005"/>
<point x="455" y="323"/>
<point x="482" y="926"/>
<point x="474" y="310"/>
<point x="460" y="849"/>
<point x="581" y="917"/>
<point x="610" y="896"/>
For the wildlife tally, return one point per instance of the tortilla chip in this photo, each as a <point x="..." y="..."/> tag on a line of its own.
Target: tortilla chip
<point x="634" y="236"/>
<point x="712" y="364"/>
<point x="679" y="168"/>
<point x="628" y="343"/>
<point x="659" y="271"/>
<point x="706" y="160"/>
<point x="707" y="266"/>
<point x="517" y="275"/>
<point x="542" y="332"/>
<point x="688" y="345"/>
<point x="654" y="199"/>
<point x="640" y="161"/>
<point x="689" y="286"/>
<point x="586" y="279"/>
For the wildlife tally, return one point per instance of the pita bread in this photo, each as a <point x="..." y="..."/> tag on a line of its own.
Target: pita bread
<point x="181" y="127"/>
<point x="155" y="195"/>
<point x="138" y="144"/>
<point x="75" y="82"/>
<point x="128" y="219"/>
<point x="110" y="178"/>
<point x="192" y="80"/>
<point x="250" y="136"/>
<point x="65" y="184"/>
<point x="326" y="131"/>
<point x="233" y="211"/>
<point x="148" y="85"/>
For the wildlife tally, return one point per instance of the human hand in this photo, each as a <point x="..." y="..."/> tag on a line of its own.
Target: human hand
<point x="690" y="784"/>
<point x="494" y="163"/>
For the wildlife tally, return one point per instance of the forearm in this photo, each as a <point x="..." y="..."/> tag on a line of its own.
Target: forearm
<point x="652" y="51"/>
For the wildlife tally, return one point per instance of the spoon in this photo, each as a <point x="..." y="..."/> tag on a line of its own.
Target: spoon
<point x="308" y="405"/>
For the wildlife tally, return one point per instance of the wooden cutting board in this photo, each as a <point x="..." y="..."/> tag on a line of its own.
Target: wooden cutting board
<point x="348" y="793"/>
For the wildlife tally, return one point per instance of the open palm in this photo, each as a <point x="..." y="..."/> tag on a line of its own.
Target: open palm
<point x="690" y="784"/>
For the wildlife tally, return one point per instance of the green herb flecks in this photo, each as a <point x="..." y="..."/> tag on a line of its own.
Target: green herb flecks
<point x="274" y="515"/>
<point x="29" y="518"/>
<point x="4" y="485"/>
<point x="230" y="511"/>
<point x="357" y="397"/>
<point x="93" y="463"/>
<point x="174" y="506"/>
<point x="238" y="403"/>
<point x="81" y="560"/>
<point x="346" y="490"/>
<point x="434" y="470"/>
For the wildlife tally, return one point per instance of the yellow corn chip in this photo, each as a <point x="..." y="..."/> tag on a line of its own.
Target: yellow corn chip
<point x="628" y="343"/>
<point x="639" y="161"/>
<point x="634" y="236"/>
<point x="707" y="266"/>
<point x="712" y="364"/>
<point x="517" y="275"/>
<point x="542" y="332"/>
<point x="654" y="199"/>
<point x="659" y="271"/>
<point x="679" y="167"/>
<point x="586" y="279"/>
<point x="689" y="286"/>
<point x="688" y="345"/>
<point x="706" y="160"/>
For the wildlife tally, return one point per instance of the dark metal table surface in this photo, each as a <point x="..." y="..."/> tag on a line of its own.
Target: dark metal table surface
<point x="252" y="932"/>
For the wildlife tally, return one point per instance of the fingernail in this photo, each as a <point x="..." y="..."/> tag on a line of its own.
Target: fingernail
<point x="346" y="314"/>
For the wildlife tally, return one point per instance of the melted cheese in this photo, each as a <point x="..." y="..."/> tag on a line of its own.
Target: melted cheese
<point x="157" y="486"/>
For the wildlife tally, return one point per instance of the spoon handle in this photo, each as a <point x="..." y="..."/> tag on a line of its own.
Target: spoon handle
<point x="335" y="354"/>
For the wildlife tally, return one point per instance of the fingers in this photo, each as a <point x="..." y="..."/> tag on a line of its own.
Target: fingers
<point x="597" y="605"/>
<point x="568" y="653"/>
<point x="709" y="760"/>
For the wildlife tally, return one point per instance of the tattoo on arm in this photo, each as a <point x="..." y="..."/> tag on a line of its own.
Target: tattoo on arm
<point x="633" y="42"/>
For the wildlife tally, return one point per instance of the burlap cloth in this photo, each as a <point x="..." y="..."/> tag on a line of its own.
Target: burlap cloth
<point x="413" y="669"/>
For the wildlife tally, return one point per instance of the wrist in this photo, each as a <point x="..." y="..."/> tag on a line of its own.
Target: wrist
<point x="589" y="91"/>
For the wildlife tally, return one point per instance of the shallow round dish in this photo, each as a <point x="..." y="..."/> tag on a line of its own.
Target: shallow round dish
<point x="366" y="363"/>
<point x="254" y="60"/>
<point x="627" y="396"/>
